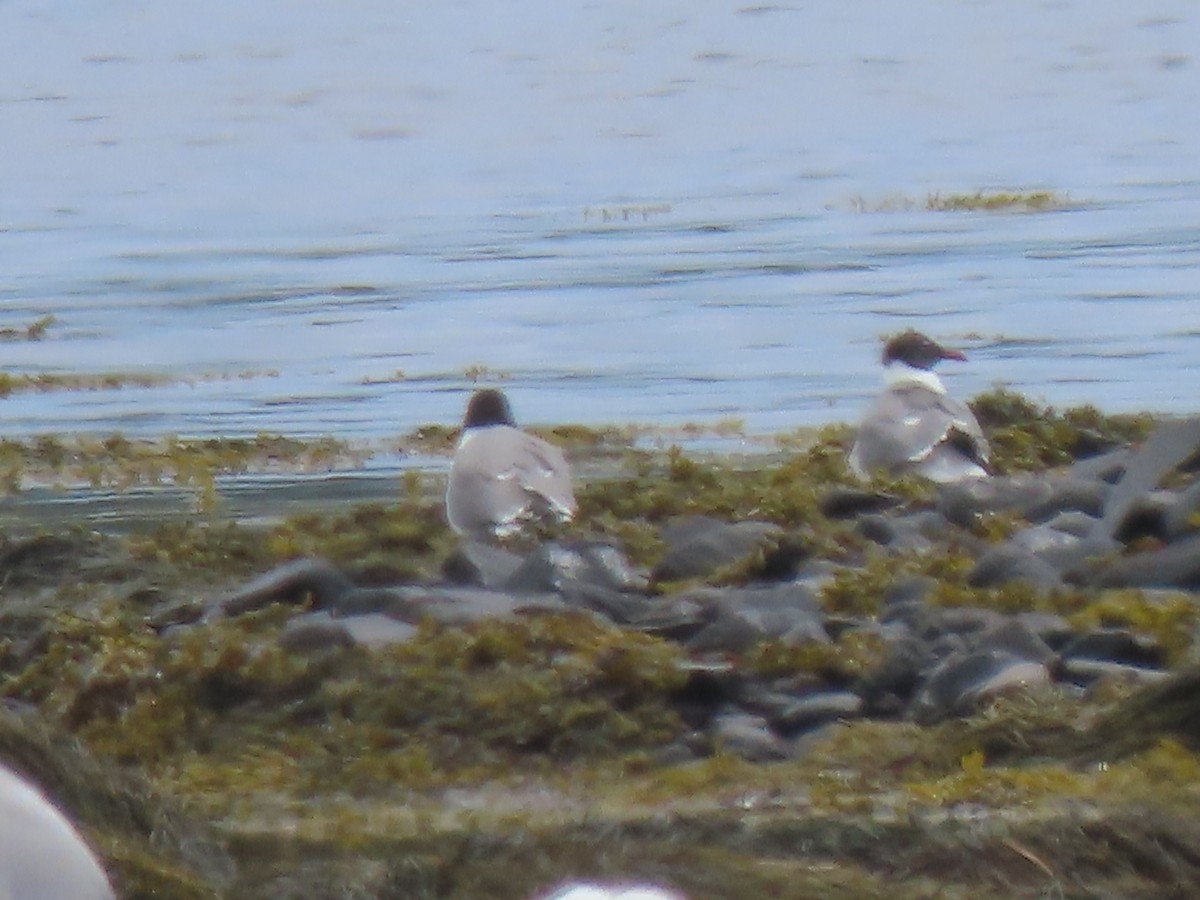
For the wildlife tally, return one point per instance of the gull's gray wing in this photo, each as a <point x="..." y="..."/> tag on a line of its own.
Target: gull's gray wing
<point x="909" y="424"/>
<point x="502" y="477"/>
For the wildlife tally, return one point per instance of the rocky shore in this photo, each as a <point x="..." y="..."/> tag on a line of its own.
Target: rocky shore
<point x="728" y="678"/>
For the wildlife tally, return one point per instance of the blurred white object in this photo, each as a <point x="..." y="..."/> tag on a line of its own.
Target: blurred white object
<point x="618" y="892"/>
<point x="42" y="856"/>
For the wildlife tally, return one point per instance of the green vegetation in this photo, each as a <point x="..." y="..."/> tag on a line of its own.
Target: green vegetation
<point x="997" y="201"/>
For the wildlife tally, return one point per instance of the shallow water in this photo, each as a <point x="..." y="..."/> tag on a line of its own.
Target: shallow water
<point x="319" y="218"/>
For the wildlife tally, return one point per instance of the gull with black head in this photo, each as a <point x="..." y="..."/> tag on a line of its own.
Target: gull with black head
<point x="914" y="425"/>
<point x="504" y="479"/>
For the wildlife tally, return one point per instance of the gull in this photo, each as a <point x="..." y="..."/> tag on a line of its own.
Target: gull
<point x="914" y="425"/>
<point x="502" y="478"/>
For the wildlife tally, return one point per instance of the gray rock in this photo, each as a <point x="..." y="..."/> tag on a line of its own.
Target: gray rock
<point x="1176" y="565"/>
<point x="1043" y="541"/>
<point x="963" y="502"/>
<point x="1073" y="522"/>
<point x="744" y="617"/>
<point x="897" y="534"/>
<point x="967" y="622"/>
<point x="314" y="632"/>
<point x="1067" y="493"/>
<point x="850" y="502"/>
<point x="378" y="630"/>
<point x="619" y="606"/>
<point x="480" y="564"/>
<point x="674" y="617"/>
<point x="910" y="589"/>
<point x="1115" y="645"/>
<point x="553" y="565"/>
<point x="887" y="689"/>
<point x="1010" y="562"/>
<point x="463" y="605"/>
<point x="963" y="683"/>
<point x="1084" y="671"/>
<point x="1108" y="467"/>
<point x="747" y="736"/>
<point x="312" y="581"/>
<point x="1172" y="443"/>
<point x="699" y="545"/>
<point x="1017" y="639"/>
<point x="360" y="601"/>
<point x="1051" y="628"/>
<point x="818" y="709"/>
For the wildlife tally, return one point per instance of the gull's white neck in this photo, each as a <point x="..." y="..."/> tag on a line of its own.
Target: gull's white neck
<point x="900" y="374"/>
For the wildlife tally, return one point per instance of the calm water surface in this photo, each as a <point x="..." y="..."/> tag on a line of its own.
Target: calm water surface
<point x="318" y="217"/>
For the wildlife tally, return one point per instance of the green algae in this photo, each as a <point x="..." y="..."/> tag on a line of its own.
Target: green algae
<point x="850" y="656"/>
<point x="34" y="331"/>
<point x="118" y="463"/>
<point x="998" y="201"/>
<point x="480" y="698"/>
<point x="1028" y="437"/>
<point x="975" y="201"/>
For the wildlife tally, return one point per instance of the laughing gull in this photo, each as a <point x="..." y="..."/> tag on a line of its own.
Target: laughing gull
<point x="42" y="856"/>
<point x="914" y="425"/>
<point x="502" y="478"/>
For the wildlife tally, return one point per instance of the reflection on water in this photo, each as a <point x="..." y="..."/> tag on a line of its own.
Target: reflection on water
<point x="319" y="219"/>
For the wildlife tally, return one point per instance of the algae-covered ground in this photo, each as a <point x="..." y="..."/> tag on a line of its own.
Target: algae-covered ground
<point x="499" y="758"/>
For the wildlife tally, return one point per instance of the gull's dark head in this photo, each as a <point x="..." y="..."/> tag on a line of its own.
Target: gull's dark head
<point x="488" y="407"/>
<point x="917" y="350"/>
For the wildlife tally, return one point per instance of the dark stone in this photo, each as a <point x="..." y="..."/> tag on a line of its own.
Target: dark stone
<point x="1116" y="645"/>
<point x="1143" y="517"/>
<point x="849" y="502"/>
<point x="707" y="687"/>
<point x="747" y="736"/>
<point x="1182" y="516"/>
<point x="1067" y="494"/>
<point x="175" y="612"/>
<point x="1007" y="563"/>
<point x="965" y="621"/>
<point x="1051" y="628"/>
<point x="360" y="601"/>
<point x="675" y="617"/>
<point x="783" y="558"/>
<point x="553" y="565"/>
<point x="314" y="632"/>
<point x="964" y="501"/>
<point x="1018" y="639"/>
<point x="1083" y="671"/>
<point x="312" y="581"/>
<point x="463" y="605"/>
<point x="1172" y="444"/>
<point x="910" y="589"/>
<point x="1107" y="467"/>
<point x="1079" y="524"/>
<point x="887" y="689"/>
<point x="699" y="545"/>
<point x="896" y="534"/>
<point x="480" y="564"/>
<point x="1176" y="565"/>
<point x="745" y="617"/>
<point x="817" y="709"/>
<point x="964" y="682"/>
<point x="619" y="606"/>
